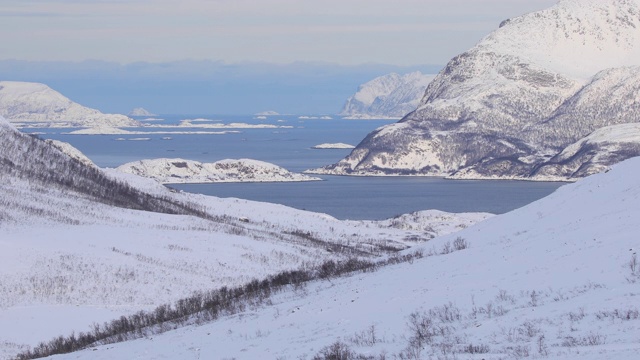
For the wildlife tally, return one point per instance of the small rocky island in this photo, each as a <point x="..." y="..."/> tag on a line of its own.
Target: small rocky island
<point x="174" y="171"/>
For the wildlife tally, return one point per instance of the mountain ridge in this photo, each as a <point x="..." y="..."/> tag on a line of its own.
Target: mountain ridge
<point x="517" y="98"/>
<point x="388" y="96"/>
<point x="36" y="104"/>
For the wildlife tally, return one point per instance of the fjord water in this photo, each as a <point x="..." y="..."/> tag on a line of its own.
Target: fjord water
<point x="290" y="146"/>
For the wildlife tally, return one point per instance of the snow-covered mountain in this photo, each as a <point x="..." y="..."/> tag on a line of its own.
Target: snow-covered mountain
<point x="230" y="170"/>
<point x="539" y="83"/>
<point x="35" y="103"/>
<point x="140" y="112"/>
<point x="387" y="96"/>
<point x="557" y="279"/>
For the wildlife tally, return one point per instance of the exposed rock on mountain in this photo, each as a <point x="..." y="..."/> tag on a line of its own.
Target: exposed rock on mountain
<point x="189" y="171"/>
<point x="25" y="102"/>
<point x="534" y="86"/>
<point x="388" y="96"/>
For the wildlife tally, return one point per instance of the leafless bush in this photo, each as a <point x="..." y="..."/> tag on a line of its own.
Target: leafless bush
<point x="476" y="349"/>
<point x="542" y="346"/>
<point x="534" y="298"/>
<point x="528" y="329"/>
<point x="619" y="314"/>
<point x="368" y="337"/>
<point x="588" y="340"/>
<point x="422" y="328"/>
<point x="634" y="267"/>
<point x="460" y="243"/>
<point x="341" y="351"/>
<point x="446" y="313"/>
<point x="577" y="316"/>
<point x="504" y="296"/>
<point x="519" y="351"/>
<point x="446" y="248"/>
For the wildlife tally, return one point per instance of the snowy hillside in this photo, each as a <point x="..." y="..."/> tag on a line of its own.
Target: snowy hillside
<point x="175" y="171"/>
<point x="537" y="84"/>
<point x="557" y="279"/>
<point x="140" y="112"/>
<point x="80" y="245"/>
<point x="33" y="103"/>
<point x="388" y="96"/>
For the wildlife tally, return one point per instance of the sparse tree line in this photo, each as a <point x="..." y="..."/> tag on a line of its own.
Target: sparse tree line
<point x="206" y="306"/>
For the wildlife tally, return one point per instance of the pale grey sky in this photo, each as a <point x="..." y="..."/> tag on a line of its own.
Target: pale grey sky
<point x="399" y="32"/>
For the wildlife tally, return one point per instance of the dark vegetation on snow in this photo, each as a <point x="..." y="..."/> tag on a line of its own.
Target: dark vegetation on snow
<point x="206" y="306"/>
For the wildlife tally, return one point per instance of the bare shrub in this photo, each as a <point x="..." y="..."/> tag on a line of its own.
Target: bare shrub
<point x="422" y="328"/>
<point x="504" y="296"/>
<point x="460" y="243"/>
<point x="577" y="316"/>
<point x="446" y="313"/>
<point x="633" y="265"/>
<point x="619" y="314"/>
<point x="476" y="349"/>
<point x="336" y="351"/>
<point x="542" y="346"/>
<point x="341" y="351"/>
<point x="446" y="248"/>
<point x="519" y="351"/>
<point x="528" y="329"/>
<point x="591" y="339"/>
<point x="368" y="337"/>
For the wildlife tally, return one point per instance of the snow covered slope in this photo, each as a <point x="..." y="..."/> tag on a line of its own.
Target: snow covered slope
<point x="175" y="171"/>
<point x="388" y="96"/>
<point x="557" y="279"/>
<point x="593" y="153"/>
<point x="33" y="103"/>
<point x="532" y="87"/>
<point x="81" y="245"/>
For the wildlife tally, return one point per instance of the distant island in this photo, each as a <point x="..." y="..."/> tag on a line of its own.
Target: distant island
<point x="168" y="171"/>
<point x="141" y="112"/>
<point x="29" y="104"/>
<point x="267" y="113"/>
<point x="333" y="146"/>
<point x="391" y="96"/>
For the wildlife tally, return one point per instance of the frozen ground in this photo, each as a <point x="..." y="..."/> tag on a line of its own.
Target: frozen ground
<point x="553" y="280"/>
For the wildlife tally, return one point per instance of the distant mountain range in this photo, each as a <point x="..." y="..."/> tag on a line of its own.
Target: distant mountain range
<point x="388" y="96"/>
<point x="140" y="112"/>
<point x="515" y="105"/>
<point x="35" y="103"/>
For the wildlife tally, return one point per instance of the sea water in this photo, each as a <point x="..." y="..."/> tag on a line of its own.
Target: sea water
<point x="290" y="146"/>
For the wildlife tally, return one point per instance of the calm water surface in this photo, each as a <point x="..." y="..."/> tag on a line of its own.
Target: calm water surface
<point x="373" y="198"/>
<point x="342" y="197"/>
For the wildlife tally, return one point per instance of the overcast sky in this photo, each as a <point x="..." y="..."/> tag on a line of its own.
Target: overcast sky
<point x="398" y="32"/>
